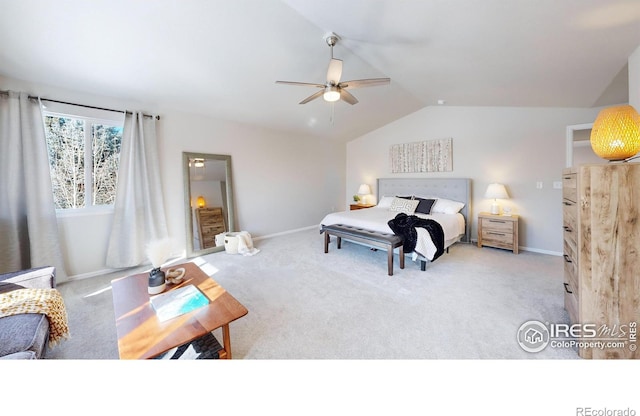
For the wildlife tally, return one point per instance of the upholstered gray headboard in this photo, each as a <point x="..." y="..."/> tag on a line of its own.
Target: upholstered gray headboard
<point x="457" y="189"/>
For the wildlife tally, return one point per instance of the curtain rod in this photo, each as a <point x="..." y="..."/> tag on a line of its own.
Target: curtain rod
<point x="32" y="97"/>
<point x="89" y="106"/>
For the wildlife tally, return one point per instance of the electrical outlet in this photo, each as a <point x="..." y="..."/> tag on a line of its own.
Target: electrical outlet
<point x="557" y="184"/>
<point x="538" y="185"/>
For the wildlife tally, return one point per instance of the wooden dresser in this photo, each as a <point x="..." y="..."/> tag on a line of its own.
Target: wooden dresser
<point x="498" y="231"/>
<point x="601" y="222"/>
<point x="210" y="223"/>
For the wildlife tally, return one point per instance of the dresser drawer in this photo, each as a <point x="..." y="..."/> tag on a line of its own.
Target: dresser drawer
<point x="570" y="239"/>
<point x="570" y="212"/>
<point x="570" y="194"/>
<point x="569" y="186"/>
<point x="571" y="302"/>
<point x="212" y="230"/>
<point x="570" y="270"/>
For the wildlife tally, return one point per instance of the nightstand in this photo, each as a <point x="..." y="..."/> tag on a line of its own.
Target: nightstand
<point x="498" y="231"/>
<point x="360" y="206"/>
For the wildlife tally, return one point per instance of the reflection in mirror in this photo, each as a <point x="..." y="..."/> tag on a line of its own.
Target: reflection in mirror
<point x="208" y="201"/>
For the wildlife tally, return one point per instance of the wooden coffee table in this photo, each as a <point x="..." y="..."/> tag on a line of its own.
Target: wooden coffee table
<point x="142" y="335"/>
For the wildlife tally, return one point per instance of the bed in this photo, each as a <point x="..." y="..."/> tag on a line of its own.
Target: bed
<point x="451" y="209"/>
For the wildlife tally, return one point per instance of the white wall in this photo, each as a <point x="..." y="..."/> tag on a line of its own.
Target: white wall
<point x="634" y="79"/>
<point x="514" y="146"/>
<point x="281" y="181"/>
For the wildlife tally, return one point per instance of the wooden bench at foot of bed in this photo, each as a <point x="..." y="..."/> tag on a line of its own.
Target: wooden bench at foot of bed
<point x="371" y="238"/>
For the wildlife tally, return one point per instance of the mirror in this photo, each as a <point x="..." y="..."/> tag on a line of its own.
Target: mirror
<point x="208" y="201"/>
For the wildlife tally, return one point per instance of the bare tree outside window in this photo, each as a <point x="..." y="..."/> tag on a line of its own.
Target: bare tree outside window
<point x="106" y="158"/>
<point x="83" y="161"/>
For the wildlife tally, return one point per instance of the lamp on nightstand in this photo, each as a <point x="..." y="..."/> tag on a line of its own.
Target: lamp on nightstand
<point x="363" y="191"/>
<point x="496" y="191"/>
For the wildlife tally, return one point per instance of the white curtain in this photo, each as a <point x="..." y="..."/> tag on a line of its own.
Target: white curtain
<point x="139" y="214"/>
<point x="28" y="225"/>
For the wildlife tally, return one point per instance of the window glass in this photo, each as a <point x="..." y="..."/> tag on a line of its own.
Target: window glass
<point x="84" y="154"/>
<point x="106" y="142"/>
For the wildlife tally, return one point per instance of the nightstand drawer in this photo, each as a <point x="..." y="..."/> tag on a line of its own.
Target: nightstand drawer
<point x="492" y="237"/>
<point x="497" y="225"/>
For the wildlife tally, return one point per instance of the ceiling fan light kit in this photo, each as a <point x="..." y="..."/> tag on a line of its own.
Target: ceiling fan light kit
<point x="331" y="93"/>
<point x="334" y="90"/>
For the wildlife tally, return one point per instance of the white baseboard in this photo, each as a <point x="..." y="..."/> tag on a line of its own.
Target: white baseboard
<point x="286" y="232"/>
<point x="90" y="274"/>
<point x="531" y="249"/>
<point x="537" y="250"/>
<point x="172" y="259"/>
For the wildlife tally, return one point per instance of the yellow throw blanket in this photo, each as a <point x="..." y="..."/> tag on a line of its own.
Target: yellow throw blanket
<point x="46" y="301"/>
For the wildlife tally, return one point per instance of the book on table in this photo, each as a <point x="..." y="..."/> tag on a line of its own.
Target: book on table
<point x="178" y="302"/>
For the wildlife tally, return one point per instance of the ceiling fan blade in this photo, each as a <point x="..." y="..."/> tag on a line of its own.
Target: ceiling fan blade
<point x="300" y="84"/>
<point x="335" y="71"/>
<point x="346" y="96"/>
<point x="312" y="97"/>
<point x="360" y="83"/>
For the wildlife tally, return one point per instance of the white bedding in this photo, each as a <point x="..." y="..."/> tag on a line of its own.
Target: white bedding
<point x="376" y="219"/>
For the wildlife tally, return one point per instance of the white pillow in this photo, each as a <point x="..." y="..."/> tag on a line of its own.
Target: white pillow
<point x="408" y="206"/>
<point x="446" y="206"/>
<point x="385" y="202"/>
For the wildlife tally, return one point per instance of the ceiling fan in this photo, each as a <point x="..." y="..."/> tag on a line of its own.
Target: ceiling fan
<point x="334" y="90"/>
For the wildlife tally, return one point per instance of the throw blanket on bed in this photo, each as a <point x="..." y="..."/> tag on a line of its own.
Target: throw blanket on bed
<point x="45" y="301"/>
<point x="405" y="226"/>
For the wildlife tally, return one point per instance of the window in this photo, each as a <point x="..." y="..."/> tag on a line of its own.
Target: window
<point x="84" y="155"/>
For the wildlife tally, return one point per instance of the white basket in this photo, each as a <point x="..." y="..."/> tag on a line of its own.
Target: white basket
<point x="231" y="243"/>
<point x="220" y="239"/>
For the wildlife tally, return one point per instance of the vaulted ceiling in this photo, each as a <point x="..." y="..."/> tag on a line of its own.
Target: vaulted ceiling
<point x="222" y="58"/>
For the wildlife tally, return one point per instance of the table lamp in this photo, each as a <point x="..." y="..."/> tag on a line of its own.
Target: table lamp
<point x="363" y="191"/>
<point x="496" y="191"/>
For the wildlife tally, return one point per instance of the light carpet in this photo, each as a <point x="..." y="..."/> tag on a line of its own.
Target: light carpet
<point x="304" y="304"/>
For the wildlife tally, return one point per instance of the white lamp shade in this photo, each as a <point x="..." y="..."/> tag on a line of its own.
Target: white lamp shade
<point x="496" y="191"/>
<point x="364" y="189"/>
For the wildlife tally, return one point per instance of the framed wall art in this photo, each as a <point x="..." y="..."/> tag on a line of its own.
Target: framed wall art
<point x="424" y="156"/>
